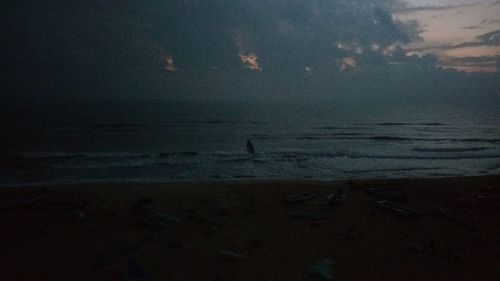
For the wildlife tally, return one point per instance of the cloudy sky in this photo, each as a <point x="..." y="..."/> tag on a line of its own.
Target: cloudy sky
<point x="197" y="49"/>
<point x="454" y="30"/>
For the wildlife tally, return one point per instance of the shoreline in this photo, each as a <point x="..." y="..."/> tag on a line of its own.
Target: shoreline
<point x="242" y="181"/>
<point x="245" y="230"/>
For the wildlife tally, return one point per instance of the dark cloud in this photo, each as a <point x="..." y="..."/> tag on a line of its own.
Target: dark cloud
<point x="483" y="24"/>
<point x="490" y="21"/>
<point x="114" y="49"/>
<point x="488" y="39"/>
<point x="491" y="38"/>
<point x="76" y="50"/>
<point x="409" y="9"/>
<point x="494" y="4"/>
<point x="474" y="61"/>
<point x="472" y="27"/>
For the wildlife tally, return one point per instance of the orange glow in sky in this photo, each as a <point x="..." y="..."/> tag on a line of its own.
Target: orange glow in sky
<point x="250" y="61"/>
<point x="479" y="51"/>
<point x="168" y="63"/>
<point x="472" y="69"/>
<point x="460" y="21"/>
<point x="347" y="63"/>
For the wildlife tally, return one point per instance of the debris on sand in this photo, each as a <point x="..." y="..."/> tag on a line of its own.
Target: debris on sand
<point x="78" y="216"/>
<point x="336" y="198"/>
<point x="165" y="218"/>
<point x="229" y="255"/>
<point x="401" y="210"/>
<point x="320" y="271"/>
<point x="156" y="221"/>
<point x="297" y="197"/>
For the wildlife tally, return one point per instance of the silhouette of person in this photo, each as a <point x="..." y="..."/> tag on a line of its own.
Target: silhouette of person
<point x="250" y="148"/>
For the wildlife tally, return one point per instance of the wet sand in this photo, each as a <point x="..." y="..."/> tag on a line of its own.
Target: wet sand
<point x="246" y="231"/>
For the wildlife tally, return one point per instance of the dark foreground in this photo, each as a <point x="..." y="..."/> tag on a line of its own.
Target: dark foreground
<point x="246" y="231"/>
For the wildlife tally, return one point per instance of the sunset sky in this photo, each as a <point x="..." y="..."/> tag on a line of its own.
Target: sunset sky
<point x="248" y="49"/>
<point x="453" y="30"/>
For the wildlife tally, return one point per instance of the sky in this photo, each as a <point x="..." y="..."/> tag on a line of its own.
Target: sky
<point x="83" y="51"/>
<point x="453" y="30"/>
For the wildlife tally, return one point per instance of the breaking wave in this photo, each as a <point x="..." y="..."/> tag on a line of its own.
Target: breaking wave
<point x="461" y="149"/>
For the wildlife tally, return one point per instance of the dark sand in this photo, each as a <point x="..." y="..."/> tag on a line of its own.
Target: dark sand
<point x="177" y="230"/>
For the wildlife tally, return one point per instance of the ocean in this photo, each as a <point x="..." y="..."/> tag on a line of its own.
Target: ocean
<point x="206" y="141"/>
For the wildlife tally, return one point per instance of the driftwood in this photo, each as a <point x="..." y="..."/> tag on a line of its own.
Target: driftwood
<point x="302" y="196"/>
<point x="398" y="209"/>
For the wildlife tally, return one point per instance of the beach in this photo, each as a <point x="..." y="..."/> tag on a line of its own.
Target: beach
<point x="259" y="140"/>
<point x="246" y="230"/>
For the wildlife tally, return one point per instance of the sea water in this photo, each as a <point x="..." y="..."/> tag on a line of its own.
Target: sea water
<point x="205" y="141"/>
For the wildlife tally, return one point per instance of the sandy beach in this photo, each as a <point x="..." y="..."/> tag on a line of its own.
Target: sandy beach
<point x="247" y="230"/>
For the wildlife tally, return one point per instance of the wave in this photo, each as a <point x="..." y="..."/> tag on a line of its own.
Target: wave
<point x="461" y="149"/>
<point x="55" y="157"/>
<point x="182" y="153"/>
<point x="92" y="155"/>
<point x="411" y="124"/>
<point x="217" y="121"/>
<point x="389" y="138"/>
<point x="309" y="138"/>
<point x="339" y="128"/>
<point x="494" y="167"/>
<point x="234" y="160"/>
<point x="18" y="162"/>
<point x="58" y="160"/>
<point x="395" y="138"/>
<point x="301" y="154"/>
<point x="118" y="126"/>
<point x="424" y="157"/>
<point x="260" y="136"/>
<point x="331" y="134"/>
<point x="368" y="171"/>
<point x="360" y="135"/>
<point x="432" y="124"/>
<point x="243" y="176"/>
<point x="485" y="140"/>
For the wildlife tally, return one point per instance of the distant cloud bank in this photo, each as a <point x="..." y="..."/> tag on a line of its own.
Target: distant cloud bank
<point x="455" y="30"/>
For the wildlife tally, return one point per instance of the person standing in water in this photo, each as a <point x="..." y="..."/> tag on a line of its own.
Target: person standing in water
<point x="250" y="148"/>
